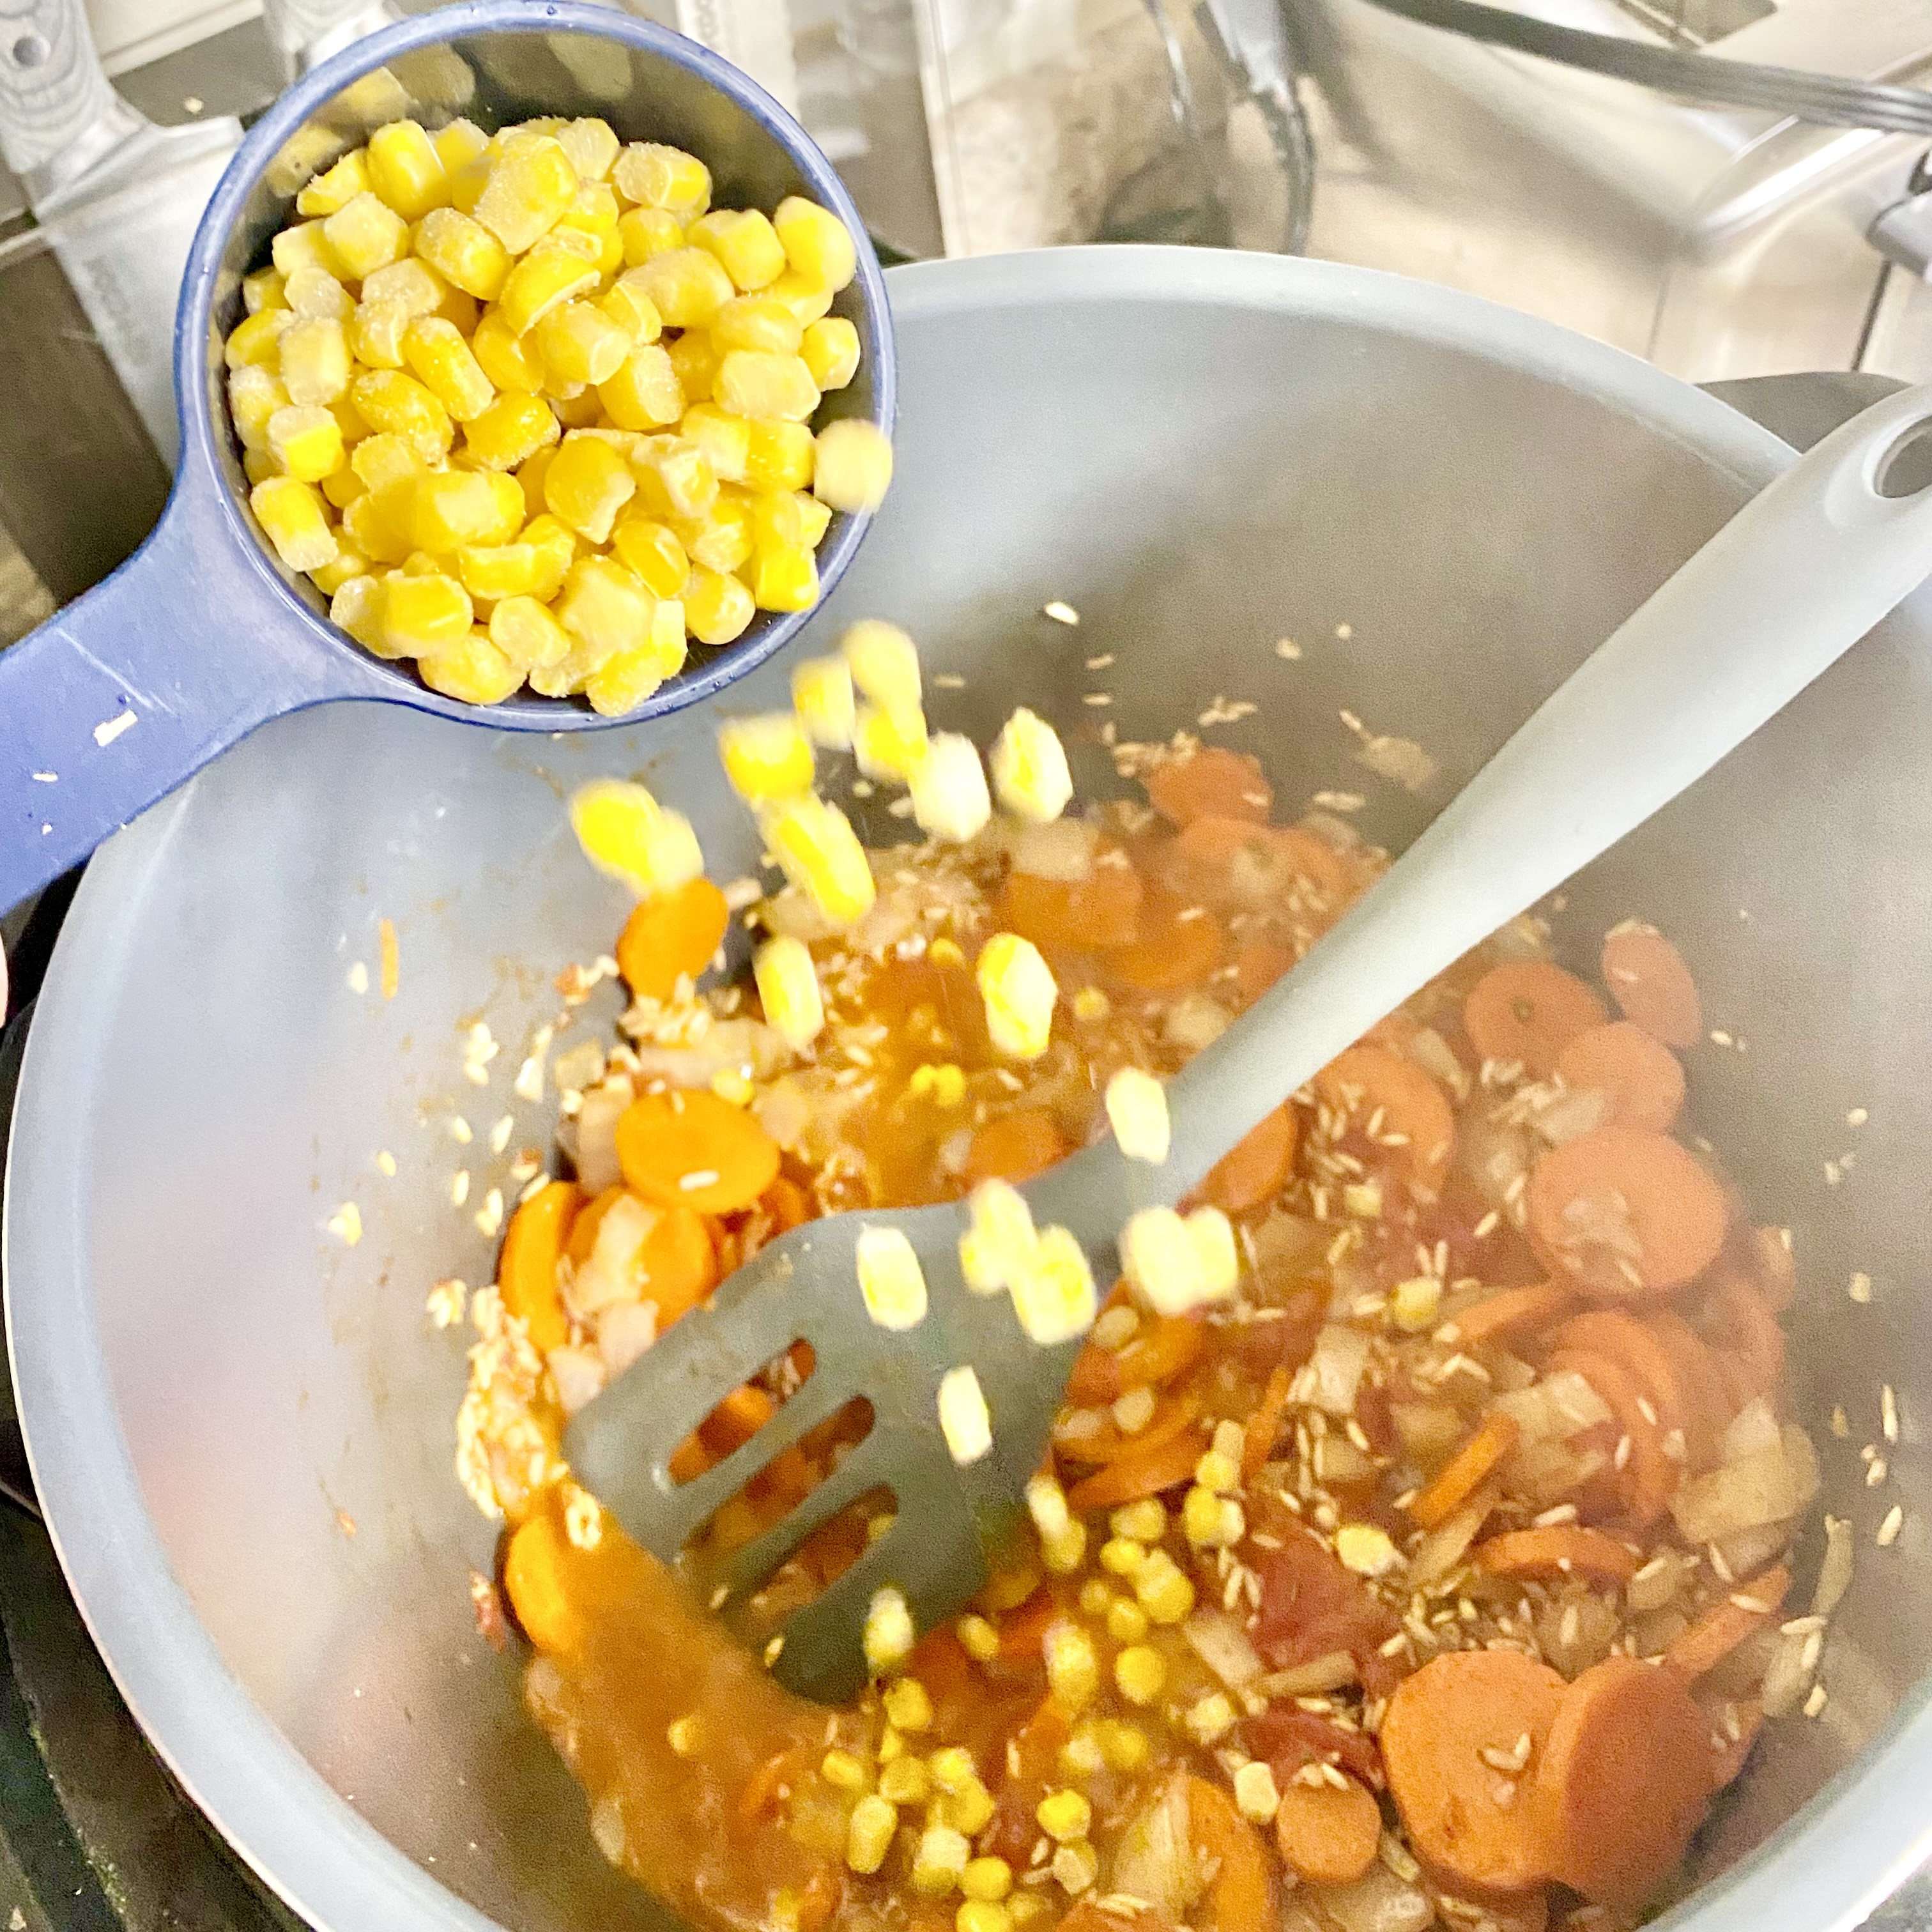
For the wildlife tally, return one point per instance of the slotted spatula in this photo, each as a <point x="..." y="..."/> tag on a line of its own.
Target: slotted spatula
<point x="1787" y="587"/>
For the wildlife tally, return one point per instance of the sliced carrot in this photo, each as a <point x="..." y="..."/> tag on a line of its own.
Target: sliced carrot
<point x="788" y="1204"/>
<point x="1177" y="945"/>
<point x="1366" y="1081"/>
<point x="526" y="1269"/>
<point x="1233" y="860"/>
<point x="1727" y="1623"/>
<point x="676" y="933"/>
<point x="1016" y="1146"/>
<point x="1241" y="1893"/>
<point x="538" y="1577"/>
<point x="1258" y="963"/>
<point x="1210" y="783"/>
<point x="694" y="1150"/>
<point x="1328" y="1833"/>
<point x="1022" y="1629"/>
<point x="1708" y="1408"/>
<point x="1108" y="1444"/>
<point x="1467" y="1470"/>
<point x="1462" y="1817"/>
<point x="1631" y="1216"/>
<point x="1731" y="1316"/>
<point x="1256" y="1168"/>
<point x="760" y="1793"/>
<point x="1623" y="1780"/>
<point x="1637" y="1074"/>
<point x="1077" y="916"/>
<point x="1528" y="1011"/>
<point x="1651" y="984"/>
<point x="1514" y="1311"/>
<point x="1648" y="1476"/>
<point x="1133" y="1476"/>
<point x="1609" y="1331"/>
<point x="824" y="1893"/>
<point x="737" y="1420"/>
<point x="678" y="1266"/>
<point x="588" y="1220"/>
<point x="1563" y="1549"/>
<point x="1258" y="1437"/>
<point x="1159" y="1350"/>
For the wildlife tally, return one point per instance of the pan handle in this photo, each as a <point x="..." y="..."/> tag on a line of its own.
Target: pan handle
<point x="132" y="688"/>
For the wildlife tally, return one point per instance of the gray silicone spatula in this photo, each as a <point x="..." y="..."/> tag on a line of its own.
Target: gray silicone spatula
<point x="1792" y="582"/>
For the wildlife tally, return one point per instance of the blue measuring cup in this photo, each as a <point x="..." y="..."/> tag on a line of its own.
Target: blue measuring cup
<point x="203" y="634"/>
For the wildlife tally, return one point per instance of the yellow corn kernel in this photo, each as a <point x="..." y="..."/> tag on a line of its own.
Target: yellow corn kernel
<point x="695" y="357"/>
<point x="889" y="1635"/>
<point x="313" y="360"/>
<point x="1126" y="1623"/>
<point x="593" y="211"/>
<point x="306" y="245"/>
<point x="908" y="1707"/>
<point x="778" y="519"/>
<point x="1145" y="1520"/>
<point x="625" y="833"/>
<point x="335" y="187"/>
<point x="1076" y="1868"/>
<point x="1137" y="1111"/>
<point x="815" y="846"/>
<point x="628" y="303"/>
<point x="884" y="663"/>
<point x="255" y="393"/>
<point x="653" y="552"/>
<point x="386" y="458"/>
<point x="603" y="607"/>
<point x="830" y="350"/>
<point x="806" y="298"/>
<point x="1072" y="1665"/>
<point x="965" y="1420"/>
<point x="316" y="296"/>
<point x="755" y="384"/>
<point x="765" y="758"/>
<point x="1122" y="1556"/>
<point x="510" y="431"/>
<point x="744" y="245"/>
<point x="1414" y="1305"/>
<point x="979" y="1915"/>
<point x="654" y="176"/>
<point x="583" y="410"/>
<point x="843" y="1772"/>
<point x="509" y="361"/>
<point x="579" y="343"/>
<point x="814" y="520"/>
<point x="463" y="252"/>
<point x="787" y="985"/>
<point x="364" y="235"/>
<point x="1255" y="1796"/>
<point x="987" y="1879"/>
<point x="443" y="363"/>
<point x="1211" y="1521"/>
<point x="642" y="392"/>
<point x="377" y="523"/>
<point x="1054" y="1296"/>
<point x="626" y="678"/>
<point x="675" y="478"/>
<point x="868" y="1835"/>
<point x="1064" y="1814"/>
<point x="306" y="441"/>
<point x="721" y="539"/>
<point x="725" y="439"/>
<point x="1046" y="1502"/>
<point x="472" y="670"/>
<point x="405" y="170"/>
<point x="454" y="508"/>
<point x="852" y="466"/>
<point x="1162" y="1589"/>
<point x="591" y="146"/>
<point x="266" y="288"/>
<point x="949" y="798"/>
<point x="376" y="333"/>
<point x="1000" y="1240"/>
<point x="785" y="577"/>
<point x="818" y="245"/>
<point x="1030" y="770"/>
<point x="291" y="517"/>
<point x="718" y="609"/>
<point x="821" y="695"/>
<point x="259" y="465"/>
<point x="587" y="484"/>
<point x="1124" y="1746"/>
<point x="356" y="606"/>
<point x="491" y="572"/>
<point x="458" y="144"/>
<point x="1017" y="985"/>
<point x="530" y="184"/>
<point x="328" y="578"/>
<point x="686" y="287"/>
<point x="424" y="613"/>
<point x="941" y="1857"/>
<point x="647" y="233"/>
<point x="1366" y="1548"/>
<point x="545" y="279"/>
<point x="757" y="323"/>
<point x="1140" y="1675"/>
<point x="526" y="634"/>
<point x="904" y="1780"/>
<point x="398" y="403"/>
<point x="423" y="563"/>
<point x="410" y="285"/>
<point x="256" y="341"/>
<point x="891" y="1283"/>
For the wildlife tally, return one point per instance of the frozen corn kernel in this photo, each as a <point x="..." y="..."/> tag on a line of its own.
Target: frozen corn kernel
<point x="890" y="1279"/>
<point x="1063" y="1551"/>
<point x="1137" y="1111"/>
<point x="1072" y="1665"/>
<point x="422" y="614"/>
<point x="988" y="1879"/>
<point x="647" y="233"/>
<point x="592" y="145"/>
<point x="778" y="455"/>
<point x="719" y="540"/>
<point x="1159" y="1259"/>
<point x="784" y="578"/>
<point x="441" y="360"/>
<point x="904" y="1780"/>
<point x="586" y="484"/>
<point x="316" y="296"/>
<point x="398" y="403"/>
<point x="1124" y="1746"/>
<point x="626" y="303"/>
<point x="743" y="243"/>
<point x="526" y="634"/>
<point x="821" y="696"/>
<point x="868" y="1834"/>
<point x="507" y="359"/>
<point x="580" y="343"/>
<point x="686" y="287"/>
<point x="1017" y="988"/>
<point x="313" y="358"/>
<point x="656" y="176"/>
<point x="376" y="333"/>
<point x="830" y="348"/>
<point x="1140" y="1675"/>
<point x="641" y="392"/>
<point x="1210" y="1522"/>
<point x="843" y="1772"/>
<point x="1365" y="1548"/>
<point x="336" y="186"/>
<point x="815" y="844"/>
<point x="890" y="742"/>
<point x="806" y="298"/>
<point x="852" y="466"/>
<point x="1213" y="1234"/>
<point x="949" y="798"/>
<point x="291" y="517"/>
<point x="459" y="142"/>
<point x="453" y="507"/>
<point x="1162" y="1589"/>
<point x="1126" y="1623"/>
<point x="884" y="662"/>
<point x="473" y="670"/>
<point x="1254" y="1793"/>
<point x="603" y="607"/>
<point x="328" y="578"/>
<point x="818" y="245"/>
<point x="675" y="478"/>
<point x="1145" y="1520"/>
<point x="979" y="1915"/>
<point x="1029" y="772"/>
<point x="1414" y="1305"/>
<point x="408" y="284"/>
<point x="1000" y="1240"/>
<point x="255" y="393"/>
<point x="463" y="252"/>
<point x="766" y="758"/>
<point x="530" y="184"/>
<point x="257" y="341"/>
<point x="653" y="553"/>
<point x="510" y="430"/>
<point x="405" y="170"/>
<point x="377" y="523"/>
<point x="964" y="1418"/>
<point x="625" y="833"/>
<point x="306" y="441"/>
<point x="306" y="244"/>
<point x="1055" y="1299"/>
<point x="545" y="279"/>
<point x="266" y="288"/>
<point x="356" y="607"/>
<point x="724" y="439"/>
<point x="594" y="210"/>
<point x="758" y="385"/>
<point x="787" y="983"/>
<point x="626" y="678"/>
<point x="760" y="323"/>
<point x="1062" y="1815"/>
<point x="717" y="608"/>
<point x="385" y="458"/>
<point x="939" y="1860"/>
<point x="889" y="1634"/>
<point x="1210" y="1719"/>
<point x="364" y="235"/>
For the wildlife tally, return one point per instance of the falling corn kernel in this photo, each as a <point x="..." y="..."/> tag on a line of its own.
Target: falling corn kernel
<point x="1017" y="988"/>
<point x="1365" y="1548"/>
<point x="625" y="833"/>
<point x="889" y="1635"/>
<point x="892" y="1282"/>
<point x="1029" y="771"/>
<point x="766" y="758"/>
<point x="1000" y="1241"/>
<point x="949" y="798"/>
<point x="964" y="1418"/>
<point x="816" y="847"/>
<point x="883" y="662"/>
<point x="852" y="466"/>
<point x="890" y="742"/>
<point x="787" y="983"/>
<point x="291" y="516"/>
<point x="1137" y="1111"/>
<point x="1176" y="1265"/>
<point x="1046" y="1504"/>
<point x="1054" y="1296"/>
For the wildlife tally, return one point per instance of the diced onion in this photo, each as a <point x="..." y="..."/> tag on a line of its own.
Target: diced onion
<point x="1569" y="1115"/>
<point x="1156" y="1859"/>
<point x="1835" y="1573"/>
<point x="1378" y="1901"/>
<point x="596" y="1124"/>
<point x="1560" y="1405"/>
<point x="1768" y="1486"/>
<point x="1223" y="1646"/>
<point x="1752" y="1430"/>
<point x="1061" y="850"/>
<point x="1336" y="1367"/>
<point x="1333" y="1670"/>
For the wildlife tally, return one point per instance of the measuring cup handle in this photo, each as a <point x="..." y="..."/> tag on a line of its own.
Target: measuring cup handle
<point x="134" y="687"/>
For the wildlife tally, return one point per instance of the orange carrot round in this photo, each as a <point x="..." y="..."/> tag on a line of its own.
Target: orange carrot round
<point x="1258" y="963"/>
<point x="1731" y="1316"/>
<point x="1708" y="1409"/>
<point x="1467" y="1470"/>
<point x="1369" y="1081"/>
<point x="1630" y="1216"/>
<point x="1528" y="1011"/>
<point x="1101" y="910"/>
<point x="538" y="1579"/>
<point x="526" y="1269"/>
<point x="1016" y="1146"/>
<point x="1284" y="866"/>
<point x="787" y="1204"/>
<point x="1256" y="1168"/>
<point x="1638" y="1076"/>
<point x="693" y="1149"/>
<point x="1161" y="1347"/>
<point x="1622" y="1782"/>
<point x="1108" y="1444"/>
<point x="1563" y="1549"/>
<point x="1177" y="945"/>
<point x="1328" y="1833"/>
<point x="1649" y="1477"/>
<point x="1651" y="984"/>
<point x="1463" y="1817"/>
<point x="1241" y="1894"/>
<point x="1514" y="1311"/>
<point x="1727" y="1623"/>
<point x="677" y="1266"/>
<point x="1132" y="1477"/>
<point x="1210" y="783"/>
<point x="1609" y="1331"/>
<point x="674" y="933"/>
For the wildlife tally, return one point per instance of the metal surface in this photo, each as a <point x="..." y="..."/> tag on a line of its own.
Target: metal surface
<point x="140" y="646"/>
<point x="208" y="1375"/>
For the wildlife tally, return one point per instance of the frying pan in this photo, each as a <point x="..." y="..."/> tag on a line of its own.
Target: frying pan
<point x="242" y="1428"/>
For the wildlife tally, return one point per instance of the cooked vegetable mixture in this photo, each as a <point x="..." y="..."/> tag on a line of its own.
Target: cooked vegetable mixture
<point x="1413" y="1543"/>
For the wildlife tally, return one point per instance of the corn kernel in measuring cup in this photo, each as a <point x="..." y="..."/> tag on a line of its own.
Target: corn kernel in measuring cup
<point x="306" y="441"/>
<point x="964" y="1418"/>
<point x="291" y="516"/>
<point x="529" y="185"/>
<point x="643" y="392"/>
<point x="818" y="245"/>
<point x="830" y="348"/>
<point x="364" y="235"/>
<point x="717" y="608"/>
<point x="852" y="466"/>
